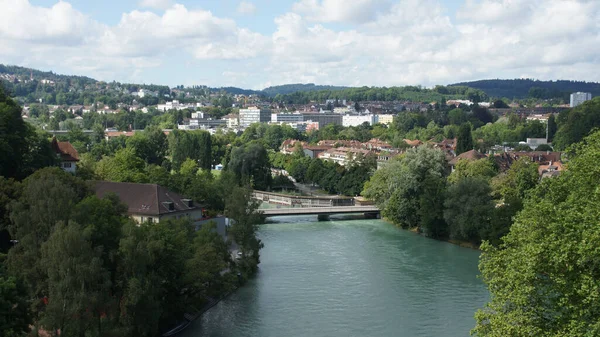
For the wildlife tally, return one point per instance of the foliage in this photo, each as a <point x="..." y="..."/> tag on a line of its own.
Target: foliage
<point x="577" y="124"/>
<point x="464" y="139"/>
<point x="543" y="277"/>
<point x="250" y="164"/>
<point x="195" y="145"/>
<point x="468" y="209"/>
<point x="243" y="210"/>
<point x="520" y="88"/>
<point x="482" y="168"/>
<point x="15" y="316"/>
<point x="23" y="149"/>
<point x="403" y="186"/>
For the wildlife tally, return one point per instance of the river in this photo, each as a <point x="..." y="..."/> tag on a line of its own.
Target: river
<point x="349" y="277"/>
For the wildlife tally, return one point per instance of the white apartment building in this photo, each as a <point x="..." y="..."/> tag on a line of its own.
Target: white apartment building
<point x="579" y="97"/>
<point x="253" y="115"/>
<point x="356" y="120"/>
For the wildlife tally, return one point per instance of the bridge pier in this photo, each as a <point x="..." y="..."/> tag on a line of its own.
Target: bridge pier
<point x="372" y="215"/>
<point x="323" y="217"/>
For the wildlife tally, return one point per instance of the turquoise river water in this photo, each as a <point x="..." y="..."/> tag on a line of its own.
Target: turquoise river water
<point x="349" y="277"/>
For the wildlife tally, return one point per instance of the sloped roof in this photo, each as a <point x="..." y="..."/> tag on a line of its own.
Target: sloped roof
<point x="147" y="199"/>
<point x="65" y="150"/>
<point x="469" y="155"/>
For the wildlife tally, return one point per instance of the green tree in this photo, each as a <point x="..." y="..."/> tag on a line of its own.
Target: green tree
<point x="482" y="168"/>
<point x="125" y="166"/>
<point x="243" y="211"/>
<point x="402" y="186"/>
<point x="15" y="316"/>
<point x="542" y="278"/>
<point x="464" y="139"/>
<point x="577" y="124"/>
<point x="552" y="127"/>
<point x="468" y="209"/>
<point x="250" y="163"/>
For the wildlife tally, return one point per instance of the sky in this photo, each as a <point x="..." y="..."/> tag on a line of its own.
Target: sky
<point x="254" y="44"/>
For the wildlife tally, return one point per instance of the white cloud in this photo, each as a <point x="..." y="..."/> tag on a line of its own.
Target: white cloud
<point x="156" y="4"/>
<point x="246" y="8"/>
<point x="355" y="11"/>
<point x="394" y="42"/>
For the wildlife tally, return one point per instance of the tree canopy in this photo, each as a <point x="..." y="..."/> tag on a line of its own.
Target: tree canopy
<point x="544" y="277"/>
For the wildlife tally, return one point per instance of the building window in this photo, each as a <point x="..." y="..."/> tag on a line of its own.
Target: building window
<point x="67" y="165"/>
<point x="150" y="219"/>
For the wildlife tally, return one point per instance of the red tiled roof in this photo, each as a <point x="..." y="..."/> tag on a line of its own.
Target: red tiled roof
<point x="469" y="155"/>
<point x="65" y="150"/>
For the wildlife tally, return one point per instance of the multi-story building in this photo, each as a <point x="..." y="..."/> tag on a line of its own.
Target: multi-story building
<point x="253" y="115"/>
<point x="579" y="97"/>
<point x="323" y="119"/>
<point x="287" y="118"/>
<point x="356" y="120"/>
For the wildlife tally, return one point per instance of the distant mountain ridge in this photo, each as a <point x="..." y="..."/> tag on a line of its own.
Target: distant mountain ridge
<point x="509" y="88"/>
<point x="524" y="88"/>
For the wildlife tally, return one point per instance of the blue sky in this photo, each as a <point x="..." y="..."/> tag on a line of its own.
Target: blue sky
<point x="257" y="43"/>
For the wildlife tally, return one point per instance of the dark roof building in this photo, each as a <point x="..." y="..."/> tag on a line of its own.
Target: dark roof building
<point x="469" y="155"/>
<point x="150" y="202"/>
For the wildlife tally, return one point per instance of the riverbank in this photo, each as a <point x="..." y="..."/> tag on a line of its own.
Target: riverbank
<point x="416" y="230"/>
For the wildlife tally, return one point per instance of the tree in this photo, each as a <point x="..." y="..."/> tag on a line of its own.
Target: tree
<point x="464" y="139"/>
<point x="125" y="166"/>
<point x="468" y="209"/>
<point x="357" y="106"/>
<point x="243" y="210"/>
<point x="542" y="278"/>
<point x="401" y="187"/>
<point x="15" y="135"/>
<point x="544" y="147"/>
<point x="250" y="163"/>
<point x="577" y="123"/>
<point x="552" y="127"/>
<point x="15" y="316"/>
<point x="482" y="168"/>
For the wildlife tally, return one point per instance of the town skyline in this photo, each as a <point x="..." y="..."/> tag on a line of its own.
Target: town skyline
<point x="262" y="43"/>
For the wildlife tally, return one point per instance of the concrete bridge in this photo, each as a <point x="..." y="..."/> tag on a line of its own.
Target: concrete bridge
<point x="323" y="212"/>
<point x="302" y="201"/>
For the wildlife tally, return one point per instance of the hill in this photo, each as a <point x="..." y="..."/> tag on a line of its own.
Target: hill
<point x="529" y="88"/>
<point x="297" y="87"/>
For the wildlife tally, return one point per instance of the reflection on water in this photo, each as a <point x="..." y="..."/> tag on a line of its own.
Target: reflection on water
<point x="350" y="277"/>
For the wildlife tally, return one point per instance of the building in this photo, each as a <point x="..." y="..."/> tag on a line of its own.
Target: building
<point x="357" y="120"/>
<point x="232" y="120"/>
<point x="287" y="118"/>
<point x="384" y="119"/>
<point x="323" y="119"/>
<point x="313" y="151"/>
<point x="469" y="155"/>
<point x="342" y="155"/>
<point x="253" y="115"/>
<point x="579" y="97"/>
<point x="67" y="154"/>
<point x="151" y="202"/>
<point x="535" y="142"/>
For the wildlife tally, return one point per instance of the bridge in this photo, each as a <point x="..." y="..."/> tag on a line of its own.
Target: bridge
<point x="322" y="212"/>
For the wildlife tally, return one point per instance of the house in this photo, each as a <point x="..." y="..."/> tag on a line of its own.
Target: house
<point x="151" y="202"/>
<point x="314" y="151"/>
<point x="67" y="154"/>
<point x="469" y="155"/>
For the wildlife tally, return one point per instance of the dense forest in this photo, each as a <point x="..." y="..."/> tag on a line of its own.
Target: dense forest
<point x="529" y="88"/>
